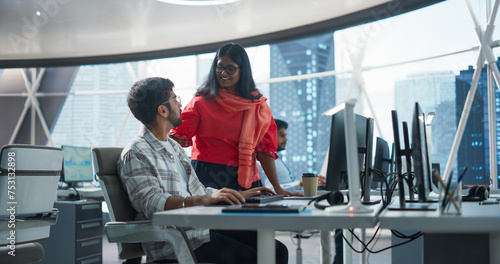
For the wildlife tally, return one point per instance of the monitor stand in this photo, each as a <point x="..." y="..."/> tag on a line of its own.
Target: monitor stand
<point x="429" y="200"/>
<point x="414" y="207"/>
<point x="371" y="202"/>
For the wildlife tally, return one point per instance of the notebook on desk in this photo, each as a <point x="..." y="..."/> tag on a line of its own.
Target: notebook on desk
<point x="264" y="208"/>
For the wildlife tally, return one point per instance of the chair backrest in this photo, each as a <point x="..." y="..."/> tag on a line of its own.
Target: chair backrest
<point x="29" y="177"/>
<point x="36" y="171"/>
<point x="115" y="195"/>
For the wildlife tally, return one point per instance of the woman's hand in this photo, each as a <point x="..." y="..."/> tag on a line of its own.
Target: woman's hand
<point x="321" y="180"/>
<point x="287" y="193"/>
<point x="257" y="191"/>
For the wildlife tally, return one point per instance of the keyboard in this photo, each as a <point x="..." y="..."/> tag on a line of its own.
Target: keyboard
<point x="265" y="198"/>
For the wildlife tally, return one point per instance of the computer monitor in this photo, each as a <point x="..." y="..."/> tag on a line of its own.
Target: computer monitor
<point x="336" y="174"/>
<point x="382" y="160"/>
<point x="368" y="162"/>
<point x="397" y="158"/>
<point x="77" y="165"/>
<point x="406" y="152"/>
<point x="420" y="155"/>
<point x="399" y="153"/>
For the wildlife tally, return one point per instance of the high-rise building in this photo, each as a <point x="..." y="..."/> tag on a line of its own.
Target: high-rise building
<point x="435" y="92"/>
<point x="474" y="147"/>
<point x="301" y="103"/>
<point x="444" y="94"/>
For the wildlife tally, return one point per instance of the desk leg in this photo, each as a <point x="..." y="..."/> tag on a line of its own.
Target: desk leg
<point x="347" y="249"/>
<point x="326" y="246"/>
<point x="363" y="238"/>
<point x="266" y="247"/>
<point x="494" y="246"/>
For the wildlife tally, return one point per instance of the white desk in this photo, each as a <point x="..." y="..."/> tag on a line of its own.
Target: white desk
<point x="265" y="224"/>
<point x="93" y="192"/>
<point x="475" y="219"/>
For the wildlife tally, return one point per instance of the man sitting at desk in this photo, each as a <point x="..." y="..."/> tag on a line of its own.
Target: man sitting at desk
<point x="285" y="177"/>
<point x="158" y="176"/>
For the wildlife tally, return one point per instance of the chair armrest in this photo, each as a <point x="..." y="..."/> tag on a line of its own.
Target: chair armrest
<point x="133" y="232"/>
<point x="32" y="221"/>
<point x="138" y="231"/>
<point x="145" y="231"/>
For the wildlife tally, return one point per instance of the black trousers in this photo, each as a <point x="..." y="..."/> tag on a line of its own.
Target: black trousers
<point x="234" y="247"/>
<point x="218" y="175"/>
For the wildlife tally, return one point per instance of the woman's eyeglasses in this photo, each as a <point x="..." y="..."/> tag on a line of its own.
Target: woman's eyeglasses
<point x="177" y="98"/>
<point x="229" y="69"/>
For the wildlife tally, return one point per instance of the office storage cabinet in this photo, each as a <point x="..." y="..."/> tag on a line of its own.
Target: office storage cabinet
<point x="77" y="235"/>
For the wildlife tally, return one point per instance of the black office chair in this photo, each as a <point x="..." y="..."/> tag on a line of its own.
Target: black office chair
<point x="123" y="228"/>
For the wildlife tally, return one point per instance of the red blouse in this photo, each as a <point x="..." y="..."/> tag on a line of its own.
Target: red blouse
<point x="213" y="133"/>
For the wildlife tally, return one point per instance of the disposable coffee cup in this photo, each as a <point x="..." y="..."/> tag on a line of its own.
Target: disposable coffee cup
<point x="310" y="183"/>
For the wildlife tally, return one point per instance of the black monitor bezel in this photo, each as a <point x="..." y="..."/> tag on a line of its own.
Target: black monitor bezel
<point x="382" y="159"/>
<point x="337" y="160"/>
<point x="420" y="154"/>
<point x="397" y="157"/>
<point x="368" y="162"/>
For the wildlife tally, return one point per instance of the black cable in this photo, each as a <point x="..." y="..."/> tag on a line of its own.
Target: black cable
<point x="375" y="234"/>
<point x="403" y="236"/>
<point x="357" y="251"/>
<point x="365" y="246"/>
<point x="393" y="246"/>
<point x="77" y="195"/>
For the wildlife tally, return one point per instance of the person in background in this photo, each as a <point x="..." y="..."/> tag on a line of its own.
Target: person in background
<point x="285" y="177"/>
<point x="229" y="126"/>
<point x="158" y="176"/>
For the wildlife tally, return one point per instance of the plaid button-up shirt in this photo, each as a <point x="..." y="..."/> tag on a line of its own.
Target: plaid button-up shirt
<point x="149" y="174"/>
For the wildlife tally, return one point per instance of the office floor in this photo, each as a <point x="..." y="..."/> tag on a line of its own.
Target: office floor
<point x="310" y="248"/>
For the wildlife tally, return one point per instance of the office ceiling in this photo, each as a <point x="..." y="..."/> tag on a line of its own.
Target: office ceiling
<point x="36" y="33"/>
<point x="62" y="34"/>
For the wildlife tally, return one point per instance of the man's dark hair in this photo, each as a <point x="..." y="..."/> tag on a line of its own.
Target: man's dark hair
<point x="246" y="84"/>
<point x="281" y="124"/>
<point x="146" y="95"/>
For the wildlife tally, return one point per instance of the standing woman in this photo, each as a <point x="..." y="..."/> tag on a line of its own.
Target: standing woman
<point x="229" y="125"/>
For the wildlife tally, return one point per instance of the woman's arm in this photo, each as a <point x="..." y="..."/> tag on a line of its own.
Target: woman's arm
<point x="269" y="168"/>
<point x="181" y="142"/>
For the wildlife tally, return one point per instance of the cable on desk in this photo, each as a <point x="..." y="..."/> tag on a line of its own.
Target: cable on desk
<point x="77" y="196"/>
<point x="403" y="236"/>
<point x="365" y="246"/>
<point x="374" y="243"/>
<point x="393" y="246"/>
<point x="382" y="176"/>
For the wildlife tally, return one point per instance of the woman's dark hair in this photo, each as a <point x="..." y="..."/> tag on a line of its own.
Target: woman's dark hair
<point x="146" y="95"/>
<point x="246" y="84"/>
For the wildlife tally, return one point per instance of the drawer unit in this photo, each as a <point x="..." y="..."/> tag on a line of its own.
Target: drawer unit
<point x="77" y="235"/>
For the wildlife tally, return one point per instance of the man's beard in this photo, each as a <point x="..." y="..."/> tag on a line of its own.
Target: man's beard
<point x="280" y="149"/>
<point x="176" y="121"/>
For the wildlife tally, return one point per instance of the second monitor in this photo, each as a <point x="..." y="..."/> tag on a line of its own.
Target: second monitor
<point x="336" y="174"/>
